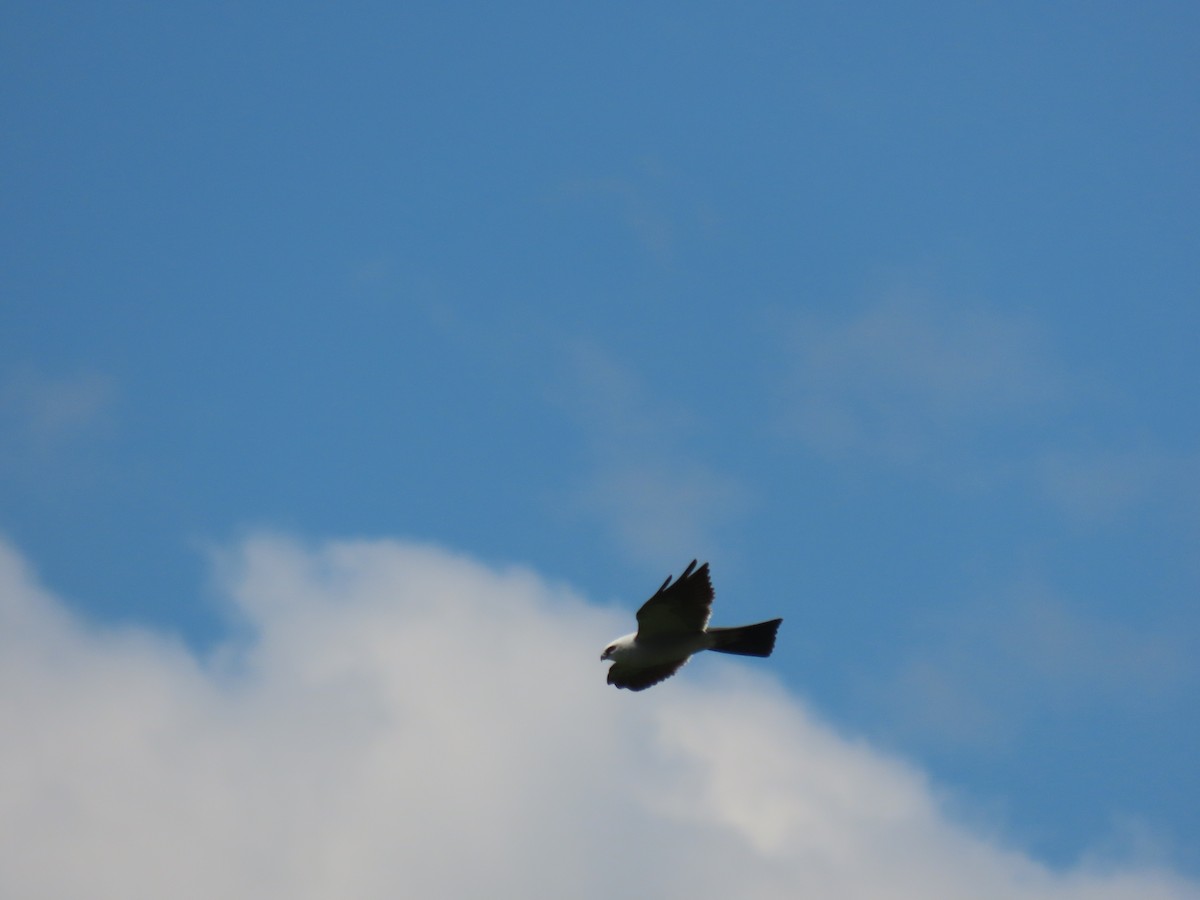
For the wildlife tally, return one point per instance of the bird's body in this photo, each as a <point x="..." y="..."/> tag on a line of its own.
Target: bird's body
<point x="628" y="650"/>
<point x="672" y="625"/>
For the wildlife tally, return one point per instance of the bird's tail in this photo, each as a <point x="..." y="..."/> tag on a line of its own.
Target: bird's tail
<point x="746" y="640"/>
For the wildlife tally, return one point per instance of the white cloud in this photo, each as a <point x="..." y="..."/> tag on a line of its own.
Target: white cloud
<point x="975" y="399"/>
<point x="1099" y="487"/>
<point x="395" y="720"/>
<point x="44" y="422"/>
<point x="45" y="411"/>
<point x="639" y="204"/>
<point x="985" y="669"/>
<point x="657" y="500"/>
<point x="906" y="378"/>
<point x="664" y="511"/>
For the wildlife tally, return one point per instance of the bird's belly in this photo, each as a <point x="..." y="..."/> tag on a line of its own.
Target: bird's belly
<point x="665" y="649"/>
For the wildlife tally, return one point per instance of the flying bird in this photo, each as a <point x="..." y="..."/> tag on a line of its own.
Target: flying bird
<point x="672" y="625"/>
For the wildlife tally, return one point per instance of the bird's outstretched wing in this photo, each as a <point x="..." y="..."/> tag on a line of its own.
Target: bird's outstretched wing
<point x="638" y="678"/>
<point x="679" y="608"/>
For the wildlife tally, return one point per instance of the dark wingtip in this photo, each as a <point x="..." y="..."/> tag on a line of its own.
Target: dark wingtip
<point x="686" y="574"/>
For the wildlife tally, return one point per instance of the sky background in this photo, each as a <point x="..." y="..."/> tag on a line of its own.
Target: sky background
<point x="310" y="314"/>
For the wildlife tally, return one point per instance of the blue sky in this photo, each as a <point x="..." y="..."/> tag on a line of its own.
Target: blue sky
<point x="890" y="312"/>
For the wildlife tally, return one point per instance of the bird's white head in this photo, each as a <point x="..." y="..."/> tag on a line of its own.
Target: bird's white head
<point x="618" y="648"/>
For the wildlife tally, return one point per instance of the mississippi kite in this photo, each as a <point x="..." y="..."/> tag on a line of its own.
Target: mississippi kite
<point x="672" y="625"/>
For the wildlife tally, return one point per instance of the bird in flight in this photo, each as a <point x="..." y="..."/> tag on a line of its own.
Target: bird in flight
<point x="672" y="625"/>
